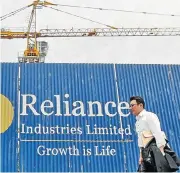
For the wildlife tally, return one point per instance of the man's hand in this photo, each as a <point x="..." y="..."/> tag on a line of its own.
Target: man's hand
<point x="140" y="160"/>
<point x="162" y="150"/>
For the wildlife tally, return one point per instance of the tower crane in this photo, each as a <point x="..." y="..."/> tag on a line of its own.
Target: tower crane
<point x="36" y="51"/>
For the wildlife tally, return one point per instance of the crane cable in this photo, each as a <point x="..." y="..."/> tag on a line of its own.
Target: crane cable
<point x="109" y="26"/>
<point x="12" y="13"/>
<point x="127" y="11"/>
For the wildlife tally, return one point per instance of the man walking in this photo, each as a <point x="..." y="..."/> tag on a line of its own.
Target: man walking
<point x="155" y="154"/>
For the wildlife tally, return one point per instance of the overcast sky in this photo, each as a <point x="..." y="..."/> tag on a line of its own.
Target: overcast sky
<point x="138" y="50"/>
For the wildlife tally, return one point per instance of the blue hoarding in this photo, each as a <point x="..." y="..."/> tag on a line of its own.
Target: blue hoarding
<point x="76" y="118"/>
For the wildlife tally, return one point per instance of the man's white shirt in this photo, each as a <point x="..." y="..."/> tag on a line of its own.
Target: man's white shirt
<point x="148" y="121"/>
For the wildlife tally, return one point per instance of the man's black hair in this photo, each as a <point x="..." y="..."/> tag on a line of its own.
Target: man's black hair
<point x="138" y="100"/>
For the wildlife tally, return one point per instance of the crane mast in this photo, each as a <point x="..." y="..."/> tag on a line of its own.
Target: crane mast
<point x="31" y="49"/>
<point x="35" y="51"/>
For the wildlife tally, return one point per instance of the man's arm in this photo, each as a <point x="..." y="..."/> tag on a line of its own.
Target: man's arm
<point x="162" y="150"/>
<point x="140" y="145"/>
<point x="140" y="156"/>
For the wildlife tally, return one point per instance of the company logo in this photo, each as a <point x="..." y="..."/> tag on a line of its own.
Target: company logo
<point x="59" y="104"/>
<point x="7" y="113"/>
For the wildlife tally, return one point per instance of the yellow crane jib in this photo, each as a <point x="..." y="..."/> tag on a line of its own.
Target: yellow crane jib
<point x="8" y="34"/>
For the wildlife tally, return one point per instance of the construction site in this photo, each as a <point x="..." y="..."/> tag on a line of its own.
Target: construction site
<point x="74" y="114"/>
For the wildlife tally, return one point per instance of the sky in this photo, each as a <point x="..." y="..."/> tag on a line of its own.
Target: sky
<point x="131" y="50"/>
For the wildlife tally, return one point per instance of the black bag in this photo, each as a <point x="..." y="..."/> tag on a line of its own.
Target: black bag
<point x="148" y="160"/>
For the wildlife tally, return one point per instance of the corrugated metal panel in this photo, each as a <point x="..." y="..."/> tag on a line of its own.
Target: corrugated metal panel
<point x="9" y="73"/>
<point x="70" y="88"/>
<point x="82" y="83"/>
<point x="159" y="85"/>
